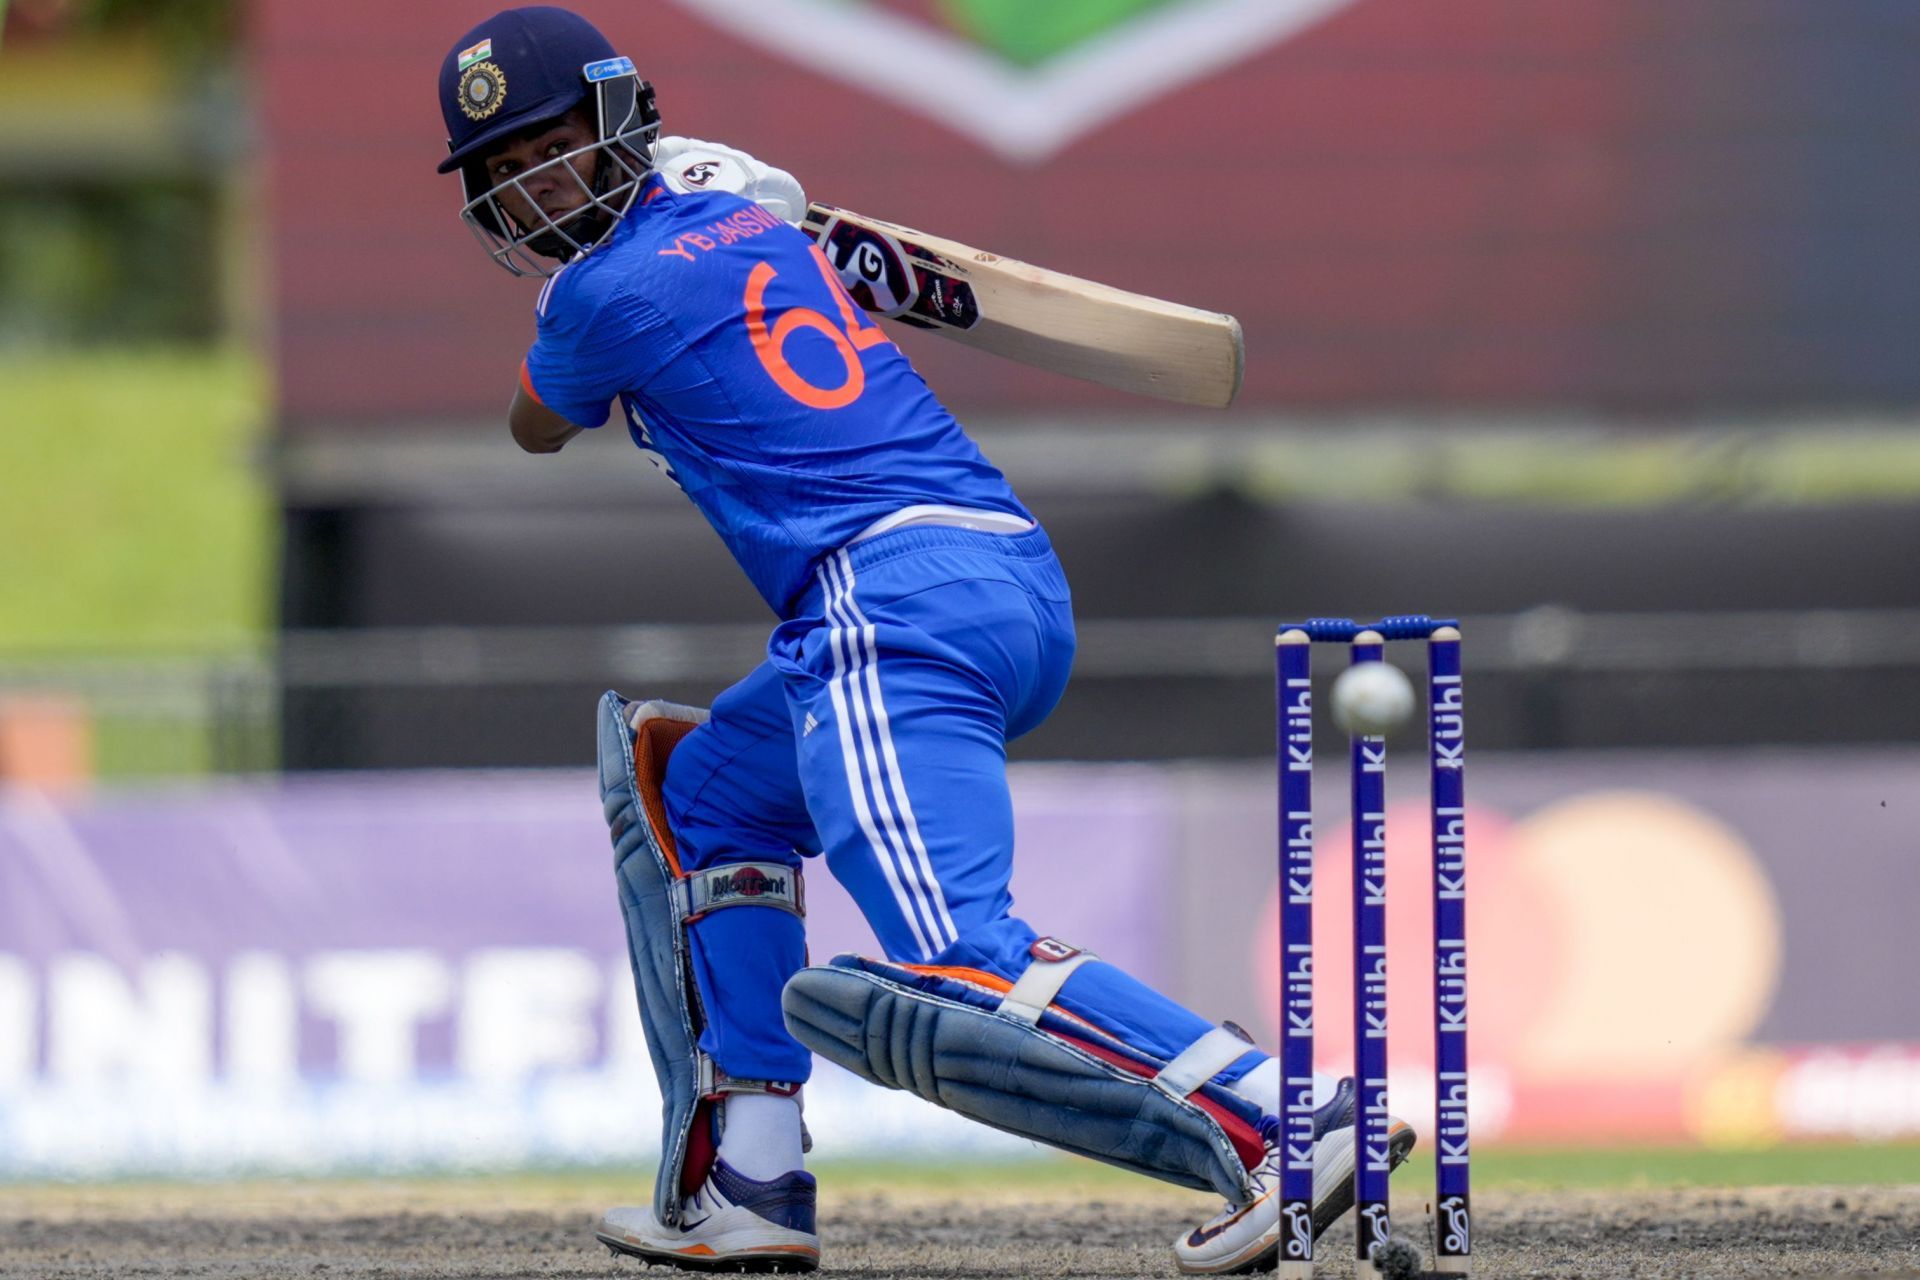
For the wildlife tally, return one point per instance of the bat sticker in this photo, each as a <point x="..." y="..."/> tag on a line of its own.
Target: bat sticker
<point x="893" y="279"/>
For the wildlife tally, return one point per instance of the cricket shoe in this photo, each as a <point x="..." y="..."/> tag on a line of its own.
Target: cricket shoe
<point x="732" y="1223"/>
<point x="1246" y="1238"/>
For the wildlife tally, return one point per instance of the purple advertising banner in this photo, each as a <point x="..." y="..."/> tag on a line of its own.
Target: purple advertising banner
<point x="421" y="972"/>
<point x="430" y="970"/>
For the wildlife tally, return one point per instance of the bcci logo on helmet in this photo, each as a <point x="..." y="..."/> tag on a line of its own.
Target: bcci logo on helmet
<point x="483" y="87"/>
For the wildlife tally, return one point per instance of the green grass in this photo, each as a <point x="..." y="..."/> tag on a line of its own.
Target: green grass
<point x="1809" y="465"/>
<point x="1797" y="1165"/>
<point x="1493" y="1169"/>
<point x="132" y="517"/>
<point x="1044" y="1177"/>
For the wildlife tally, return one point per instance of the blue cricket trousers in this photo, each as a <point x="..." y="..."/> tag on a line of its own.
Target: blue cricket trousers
<point x="875" y="733"/>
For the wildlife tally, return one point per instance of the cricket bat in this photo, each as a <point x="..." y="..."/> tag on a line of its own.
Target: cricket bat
<point x="1042" y="318"/>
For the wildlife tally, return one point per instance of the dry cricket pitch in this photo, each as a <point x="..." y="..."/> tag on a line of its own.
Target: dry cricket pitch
<point x="427" y="1231"/>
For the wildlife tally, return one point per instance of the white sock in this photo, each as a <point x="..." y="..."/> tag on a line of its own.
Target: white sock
<point x="761" y="1136"/>
<point x="1262" y="1086"/>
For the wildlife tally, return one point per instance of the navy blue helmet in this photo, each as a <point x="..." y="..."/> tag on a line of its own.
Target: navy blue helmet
<point x="524" y="68"/>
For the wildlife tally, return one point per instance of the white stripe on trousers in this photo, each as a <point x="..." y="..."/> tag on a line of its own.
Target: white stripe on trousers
<point x="851" y="764"/>
<point x="888" y="788"/>
<point x="885" y="727"/>
<point x="915" y="888"/>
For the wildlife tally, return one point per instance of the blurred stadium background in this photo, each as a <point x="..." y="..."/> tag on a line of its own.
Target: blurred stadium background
<point x="1591" y="322"/>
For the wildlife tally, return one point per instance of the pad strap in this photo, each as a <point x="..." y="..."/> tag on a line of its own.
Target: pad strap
<point x="1053" y="963"/>
<point x="739" y="884"/>
<point x="1200" y="1062"/>
<point x="714" y="1082"/>
<point x="940" y="1035"/>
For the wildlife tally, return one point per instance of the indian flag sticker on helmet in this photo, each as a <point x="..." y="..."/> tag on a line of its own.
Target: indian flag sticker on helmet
<point x="482" y="89"/>
<point x="479" y="52"/>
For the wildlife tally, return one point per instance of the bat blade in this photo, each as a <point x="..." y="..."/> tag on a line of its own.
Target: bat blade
<point x="1038" y="317"/>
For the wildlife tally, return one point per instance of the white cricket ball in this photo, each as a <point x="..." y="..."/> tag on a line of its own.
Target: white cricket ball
<point x="1371" y="699"/>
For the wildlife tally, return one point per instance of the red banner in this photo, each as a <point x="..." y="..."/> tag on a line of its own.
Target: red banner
<point x="1595" y="202"/>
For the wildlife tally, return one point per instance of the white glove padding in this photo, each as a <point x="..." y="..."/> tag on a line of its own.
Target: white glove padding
<point x="689" y="164"/>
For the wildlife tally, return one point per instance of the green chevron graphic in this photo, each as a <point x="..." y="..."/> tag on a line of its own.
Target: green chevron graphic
<point x="1028" y="33"/>
<point x="1023" y="77"/>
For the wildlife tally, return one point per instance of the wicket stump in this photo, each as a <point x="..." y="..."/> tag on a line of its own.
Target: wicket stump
<point x="1446" y="744"/>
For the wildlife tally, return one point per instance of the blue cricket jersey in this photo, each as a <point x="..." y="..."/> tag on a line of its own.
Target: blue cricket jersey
<point x="750" y="376"/>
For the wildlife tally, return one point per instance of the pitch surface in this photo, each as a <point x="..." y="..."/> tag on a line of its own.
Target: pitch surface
<point x="429" y="1231"/>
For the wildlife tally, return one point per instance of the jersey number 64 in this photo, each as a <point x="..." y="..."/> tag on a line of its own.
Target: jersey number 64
<point x="850" y="337"/>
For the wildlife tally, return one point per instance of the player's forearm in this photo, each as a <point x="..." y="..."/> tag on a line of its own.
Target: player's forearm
<point x="536" y="428"/>
<point x="548" y="445"/>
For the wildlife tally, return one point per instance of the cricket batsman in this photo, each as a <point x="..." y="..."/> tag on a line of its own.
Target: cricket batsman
<point x="924" y="622"/>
